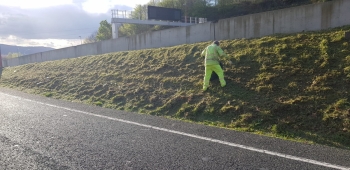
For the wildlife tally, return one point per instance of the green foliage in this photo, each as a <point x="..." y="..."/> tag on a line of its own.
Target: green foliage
<point x="104" y="31"/>
<point x="98" y="103"/>
<point x="48" y="94"/>
<point x="292" y="86"/>
<point x="337" y="116"/>
<point x="92" y="38"/>
<point x="140" y="12"/>
<point x="13" y="55"/>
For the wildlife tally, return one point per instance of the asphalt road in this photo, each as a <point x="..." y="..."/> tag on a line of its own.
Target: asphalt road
<point x="43" y="133"/>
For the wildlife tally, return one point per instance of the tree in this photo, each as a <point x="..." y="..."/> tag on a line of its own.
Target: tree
<point x="13" y="55"/>
<point x="92" y="38"/>
<point x="140" y="12"/>
<point x="104" y="31"/>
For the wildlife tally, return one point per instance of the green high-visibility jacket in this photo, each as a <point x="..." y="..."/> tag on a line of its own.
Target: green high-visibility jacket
<point x="212" y="54"/>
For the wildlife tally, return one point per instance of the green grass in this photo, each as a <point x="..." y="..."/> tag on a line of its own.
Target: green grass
<point x="293" y="86"/>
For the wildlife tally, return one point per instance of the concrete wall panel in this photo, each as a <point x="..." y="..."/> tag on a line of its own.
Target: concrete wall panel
<point x="201" y="32"/>
<point x="266" y="24"/>
<point x="12" y="62"/>
<point x="37" y="57"/>
<point x="312" y="18"/>
<point x="107" y="46"/>
<point x="223" y="29"/>
<point x="344" y="12"/>
<point x="119" y="44"/>
<point x="241" y="27"/>
<point x="155" y="39"/>
<point x="25" y="60"/>
<point x="289" y="20"/>
<point x="86" y="49"/>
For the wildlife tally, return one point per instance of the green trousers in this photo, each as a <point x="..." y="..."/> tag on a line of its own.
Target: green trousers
<point x="209" y="70"/>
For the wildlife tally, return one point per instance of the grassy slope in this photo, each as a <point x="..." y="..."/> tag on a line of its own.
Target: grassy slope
<point x="290" y="86"/>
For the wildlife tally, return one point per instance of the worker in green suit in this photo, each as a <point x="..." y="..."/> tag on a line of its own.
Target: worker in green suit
<point x="212" y="54"/>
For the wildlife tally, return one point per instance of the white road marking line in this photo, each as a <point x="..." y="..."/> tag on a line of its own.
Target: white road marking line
<point x="310" y="161"/>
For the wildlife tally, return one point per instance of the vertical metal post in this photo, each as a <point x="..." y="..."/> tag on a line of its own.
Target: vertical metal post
<point x="81" y="42"/>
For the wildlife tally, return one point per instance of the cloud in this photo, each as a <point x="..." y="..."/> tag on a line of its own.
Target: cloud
<point x="25" y="4"/>
<point x="53" y="43"/>
<point x="64" y="21"/>
<point x="61" y="24"/>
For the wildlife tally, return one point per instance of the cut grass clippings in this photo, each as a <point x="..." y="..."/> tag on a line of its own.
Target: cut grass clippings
<point x="293" y="86"/>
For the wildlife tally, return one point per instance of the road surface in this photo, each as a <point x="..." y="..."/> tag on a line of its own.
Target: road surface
<point x="44" y="133"/>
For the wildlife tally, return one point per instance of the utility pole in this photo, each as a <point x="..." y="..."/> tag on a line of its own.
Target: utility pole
<point x="81" y="42"/>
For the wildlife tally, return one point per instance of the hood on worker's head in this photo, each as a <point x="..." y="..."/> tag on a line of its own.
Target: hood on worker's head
<point x="216" y="42"/>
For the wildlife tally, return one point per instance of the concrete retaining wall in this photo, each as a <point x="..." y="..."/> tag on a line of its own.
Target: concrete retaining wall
<point x="312" y="17"/>
<point x="297" y="19"/>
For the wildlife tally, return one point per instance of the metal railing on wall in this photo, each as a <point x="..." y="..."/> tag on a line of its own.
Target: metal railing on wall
<point x="194" y="20"/>
<point x="124" y="14"/>
<point x="121" y="13"/>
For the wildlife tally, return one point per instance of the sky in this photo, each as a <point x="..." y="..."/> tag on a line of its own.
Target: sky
<point x="55" y="23"/>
